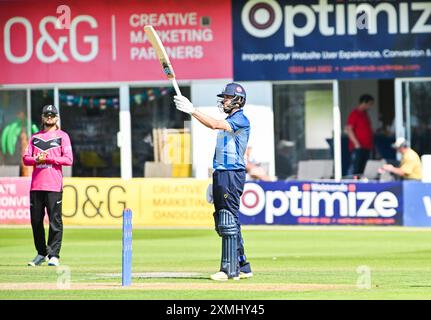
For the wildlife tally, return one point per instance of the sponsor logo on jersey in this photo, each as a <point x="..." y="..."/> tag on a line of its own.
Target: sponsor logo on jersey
<point x="43" y="145"/>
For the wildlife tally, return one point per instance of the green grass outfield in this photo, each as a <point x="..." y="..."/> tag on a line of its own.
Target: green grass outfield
<point x="288" y="263"/>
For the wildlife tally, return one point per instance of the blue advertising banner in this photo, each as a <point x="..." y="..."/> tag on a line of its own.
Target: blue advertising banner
<point x="417" y="204"/>
<point x="331" y="39"/>
<point x="315" y="203"/>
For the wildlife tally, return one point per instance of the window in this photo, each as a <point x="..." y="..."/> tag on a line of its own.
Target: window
<point x="303" y="125"/>
<point x="40" y="98"/>
<point x="152" y="108"/>
<point x="14" y="132"/>
<point x="91" y="118"/>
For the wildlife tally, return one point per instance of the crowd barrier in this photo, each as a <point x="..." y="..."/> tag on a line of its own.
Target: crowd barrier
<point x="182" y="202"/>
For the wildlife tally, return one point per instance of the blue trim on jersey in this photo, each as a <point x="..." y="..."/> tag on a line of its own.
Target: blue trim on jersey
<point x="231" y="146"/>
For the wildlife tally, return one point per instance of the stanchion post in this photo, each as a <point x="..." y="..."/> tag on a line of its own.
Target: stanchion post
<point x="127" y="248"/>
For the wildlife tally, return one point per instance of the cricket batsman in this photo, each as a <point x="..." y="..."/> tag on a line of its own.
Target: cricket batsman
<point x="228" y="177"/>
<point x="48" y="150"/>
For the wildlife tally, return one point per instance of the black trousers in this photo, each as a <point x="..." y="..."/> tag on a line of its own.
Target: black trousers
<point x="52" y="201"/>
<point x="358" y="160"/>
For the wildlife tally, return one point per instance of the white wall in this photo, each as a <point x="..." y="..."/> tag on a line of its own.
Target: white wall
<point x="262" y="135"/>
<point x="204" y="92"/>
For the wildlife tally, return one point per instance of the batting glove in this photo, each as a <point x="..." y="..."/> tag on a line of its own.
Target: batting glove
<point x="183" y="104"/>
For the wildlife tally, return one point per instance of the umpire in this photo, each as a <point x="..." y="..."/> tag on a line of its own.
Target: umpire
<point x="228" y="177"/>
<point x="48" y="150"/>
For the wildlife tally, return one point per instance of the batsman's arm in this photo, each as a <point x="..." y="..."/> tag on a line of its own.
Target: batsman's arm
<point x="210" y="122"/>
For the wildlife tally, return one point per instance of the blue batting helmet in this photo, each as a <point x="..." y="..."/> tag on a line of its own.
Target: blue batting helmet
<point x="233" y="89"/>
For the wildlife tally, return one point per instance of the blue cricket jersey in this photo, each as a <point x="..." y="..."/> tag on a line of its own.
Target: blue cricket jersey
<point x="231" y="146"/>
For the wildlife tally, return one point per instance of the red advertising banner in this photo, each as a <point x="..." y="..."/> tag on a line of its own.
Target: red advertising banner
<point x="104" y="40"/>
<point x="14" y="201"/>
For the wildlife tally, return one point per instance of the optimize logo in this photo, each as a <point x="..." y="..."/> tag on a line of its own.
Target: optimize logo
<point x="263" y="18"/>
<point x="309" y="201"/>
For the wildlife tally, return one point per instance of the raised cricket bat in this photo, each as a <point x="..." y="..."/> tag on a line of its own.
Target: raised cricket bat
<point x="162" y="55"/>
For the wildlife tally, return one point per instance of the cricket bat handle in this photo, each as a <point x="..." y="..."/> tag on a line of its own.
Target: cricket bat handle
<point x="176" y="87"/>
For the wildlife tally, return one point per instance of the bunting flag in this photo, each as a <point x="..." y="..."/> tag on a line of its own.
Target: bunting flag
<point x="149" y="94"/>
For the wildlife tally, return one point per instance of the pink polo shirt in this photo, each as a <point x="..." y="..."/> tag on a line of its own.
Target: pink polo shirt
<point x="48" y="176"/>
